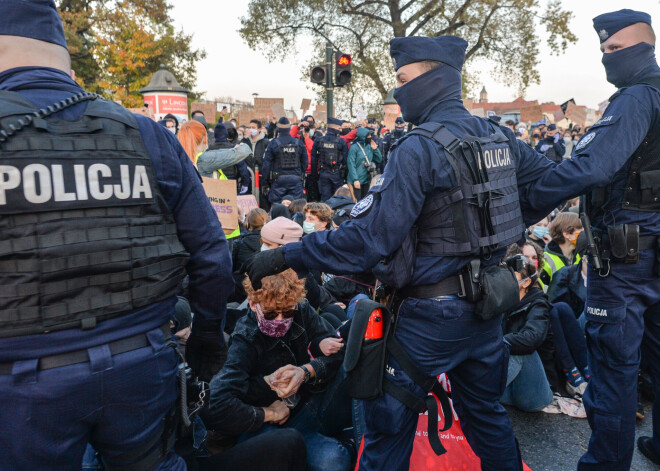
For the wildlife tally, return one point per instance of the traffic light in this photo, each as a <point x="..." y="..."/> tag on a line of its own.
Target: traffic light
<point x="318" y="74"/>
<point x="343" y="69"/>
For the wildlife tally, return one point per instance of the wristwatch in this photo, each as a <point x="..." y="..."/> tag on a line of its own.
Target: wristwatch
<point x="307" y="373"/>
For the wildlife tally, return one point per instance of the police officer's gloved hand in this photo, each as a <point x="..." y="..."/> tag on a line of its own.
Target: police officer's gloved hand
<point x="205" y="355"/>
<point x="244" y="190"/>
<point x="263" y="264"/>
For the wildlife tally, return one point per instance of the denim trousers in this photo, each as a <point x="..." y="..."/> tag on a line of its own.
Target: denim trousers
<point x="527" y="386"/>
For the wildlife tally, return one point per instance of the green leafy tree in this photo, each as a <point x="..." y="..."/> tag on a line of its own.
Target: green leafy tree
<point x="117" y="45"/>
<point x="500" y="32"/>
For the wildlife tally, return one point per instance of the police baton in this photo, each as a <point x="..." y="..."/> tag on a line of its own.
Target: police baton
<point x="592" y="248"/>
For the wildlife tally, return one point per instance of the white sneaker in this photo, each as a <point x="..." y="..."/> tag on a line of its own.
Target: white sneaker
<point x="573" y="391"/>
<point x="572" y="407"/>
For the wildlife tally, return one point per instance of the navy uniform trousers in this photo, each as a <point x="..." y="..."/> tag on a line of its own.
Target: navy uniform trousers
<point x="444" y="336"/>
<point x="286" y="185"/>
<point x="329" y="182"/>
<point x="623" y="324"/>
<point x="114" y="402"/>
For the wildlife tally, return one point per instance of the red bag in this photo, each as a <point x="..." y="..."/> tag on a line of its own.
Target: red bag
<point x="459" y="456"/>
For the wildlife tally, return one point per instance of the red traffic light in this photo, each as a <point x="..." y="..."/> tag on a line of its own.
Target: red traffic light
<point x="344" y="60"/>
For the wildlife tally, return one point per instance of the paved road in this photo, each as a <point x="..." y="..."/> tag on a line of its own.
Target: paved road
<point x="555" y="442"/>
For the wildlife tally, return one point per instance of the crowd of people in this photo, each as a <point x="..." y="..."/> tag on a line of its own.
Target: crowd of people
<point x="548" y="371"/>
<point x="135" y="335"/>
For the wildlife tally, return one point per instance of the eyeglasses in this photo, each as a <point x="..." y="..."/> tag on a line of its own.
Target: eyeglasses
<point x="287" y="314"/>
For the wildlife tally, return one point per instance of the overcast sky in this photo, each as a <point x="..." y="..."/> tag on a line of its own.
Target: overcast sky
<point x="232" y="68"/>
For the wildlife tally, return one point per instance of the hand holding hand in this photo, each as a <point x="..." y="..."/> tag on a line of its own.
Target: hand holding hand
<point x="277" y="413"/>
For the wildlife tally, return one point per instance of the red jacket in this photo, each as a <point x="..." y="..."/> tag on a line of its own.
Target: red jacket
<point x="309" y="143"/>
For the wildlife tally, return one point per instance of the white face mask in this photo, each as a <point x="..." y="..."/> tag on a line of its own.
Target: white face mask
<point x="308" y="227"/>
<point x="264" y="247"/>
<point x="254" y="132"/>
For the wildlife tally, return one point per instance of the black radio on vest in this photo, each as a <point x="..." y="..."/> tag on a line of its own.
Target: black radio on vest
<point x="87" y="235"/>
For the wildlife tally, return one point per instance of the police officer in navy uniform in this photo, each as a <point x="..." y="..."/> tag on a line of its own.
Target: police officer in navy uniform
<point x="437" y="326"/>
<point x="285" y="162"/>
<point x="619" y="159"/>
<point x="101" y="214"/>
<point x="393" y="136"/>
<point x="329" y="158"/>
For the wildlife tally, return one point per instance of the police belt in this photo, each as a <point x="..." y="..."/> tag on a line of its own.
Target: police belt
<point x="450" y="286"/>
<point x="125" y="345"/>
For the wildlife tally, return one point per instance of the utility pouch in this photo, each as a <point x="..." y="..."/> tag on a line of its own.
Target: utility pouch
<point x="470" y="279"/>
<point x="632" y="243"/>
<point x="364" y="360"/>
<point x="499" y="291"/>
<point x="397" y="270"/>
<point x="617" y="239"/>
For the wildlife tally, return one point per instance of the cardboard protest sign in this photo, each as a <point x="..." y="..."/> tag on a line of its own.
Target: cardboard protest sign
<point x="222" y="196"/>
<point x="531" y="113"/>
<point x="577" y="114"/>
<point x="278" y="110"/>
<point x="247" y="203"/>
<point x="306" y="103"/>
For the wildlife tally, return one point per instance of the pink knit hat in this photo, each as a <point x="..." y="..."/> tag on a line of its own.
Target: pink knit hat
<point x="281" y="231"/>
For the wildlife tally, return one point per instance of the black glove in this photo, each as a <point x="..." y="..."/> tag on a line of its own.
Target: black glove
<point x="263" y="264"/>
<point x="205" y="355"/>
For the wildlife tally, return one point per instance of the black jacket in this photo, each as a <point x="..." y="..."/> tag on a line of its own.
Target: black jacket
<point x="526" y="327"/>
<point x="244" y="248"/>
<point x="238" y="391"/>
<point x="568" y="286"/>
<point x="258" y="151"/>
<point x="340" y="202"/>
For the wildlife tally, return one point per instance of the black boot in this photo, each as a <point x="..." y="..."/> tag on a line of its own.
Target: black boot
<point x="645" y="445"/>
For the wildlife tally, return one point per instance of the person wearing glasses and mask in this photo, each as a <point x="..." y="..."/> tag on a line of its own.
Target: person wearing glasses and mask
<point x="270" y="381"/>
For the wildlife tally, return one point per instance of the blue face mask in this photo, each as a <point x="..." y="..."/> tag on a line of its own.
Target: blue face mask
<point x="418" y="97"/>
<point x="540" y="231"/>
<point x="309" y="227"/>
<point x="625" y="66"/>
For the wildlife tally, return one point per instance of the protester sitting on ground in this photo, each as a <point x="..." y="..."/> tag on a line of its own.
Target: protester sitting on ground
<point x="296" y="209"/>
<point x="249" y="242"/>
<point x="287" y="200"/>
<point x="279" y="210"/>
<point x="525" y="330"/>
<point x="560" y="252"/>
<point x="569" y="284"/>
<point x="534" y="330"/>
<point x="539" y="233"/>
<point x="269" y="380"/>
<point x="318" y="217"/>
<point x="281" y="231"/>
<point x="342" y="199"/>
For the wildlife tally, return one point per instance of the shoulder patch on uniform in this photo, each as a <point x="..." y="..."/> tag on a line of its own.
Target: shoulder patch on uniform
<point x="584" y="142"/>
<point x="362" y="206"/>
<point x="379" y="182"/>
<point x="603" y="120"/>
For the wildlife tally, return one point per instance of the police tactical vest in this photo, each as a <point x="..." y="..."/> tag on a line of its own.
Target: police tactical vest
<point x="288" y="157"/>
<point x="482" y="213"/>
<point x="86" y="233"/>
<point x="330" y="155"/>
<point x="642" y="190"/>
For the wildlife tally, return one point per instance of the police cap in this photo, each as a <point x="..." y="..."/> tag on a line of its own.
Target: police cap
<point x="449" y="50"/>
<point x="399" y="120"/>
<point x="335" y="121"/>
<point x="283" y="122"/>
<point x="35" y="19"/>
<point x="609" y="23"/>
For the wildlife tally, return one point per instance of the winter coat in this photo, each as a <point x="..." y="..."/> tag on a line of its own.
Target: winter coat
<point x="526" y="327"/>
<point x="239" y="391"/>
<point x="258" y="150"/>
<point x="340" y="202"/>
<point x="356" y="169"/>
<point x="244" y="248"/>
<point x="568" y="286"/>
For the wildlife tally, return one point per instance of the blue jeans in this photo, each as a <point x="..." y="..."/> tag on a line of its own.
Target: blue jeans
<point x="570" y="344"/>
<point x="318" y="420"/>
<point x="527" y="387"/>
<point x="115" y="402"/>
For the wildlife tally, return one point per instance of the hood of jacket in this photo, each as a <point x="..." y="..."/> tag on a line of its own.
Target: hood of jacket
<point x="533" y="296"/>
<point x="362" y="134"/>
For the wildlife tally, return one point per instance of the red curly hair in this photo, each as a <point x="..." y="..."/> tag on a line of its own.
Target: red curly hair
<point x="278" y="292"/>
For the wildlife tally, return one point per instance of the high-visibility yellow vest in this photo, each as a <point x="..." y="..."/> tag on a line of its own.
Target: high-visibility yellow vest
<point x="554" y="262"/>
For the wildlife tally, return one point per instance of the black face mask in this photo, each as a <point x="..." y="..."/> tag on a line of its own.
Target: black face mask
<point x="367" y="140"/>
<point x="345" y="131"/>
<point x="625" y="66"/>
